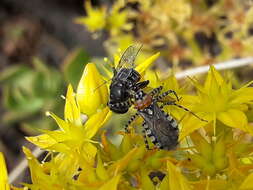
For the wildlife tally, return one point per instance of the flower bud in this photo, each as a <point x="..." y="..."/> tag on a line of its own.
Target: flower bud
<point x="203" y="147"/>
<point x="209" y="169"/>
<point x="134" y="165"/>
<point x="219" y="149"/>
<point x="198" y="160"/>
<point x="126" y="144"/>
<point x="221" y="163"/>
<point x="110" y="148"/>
<point x="91" y="93"/>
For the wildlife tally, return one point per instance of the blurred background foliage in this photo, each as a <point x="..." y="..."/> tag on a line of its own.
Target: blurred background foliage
<point x="186" y="32"/>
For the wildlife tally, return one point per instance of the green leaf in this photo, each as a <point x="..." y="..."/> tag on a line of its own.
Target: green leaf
<point x="11" y="73"/>
<point x="73" y="65"/>
<point x="18" y="101"/>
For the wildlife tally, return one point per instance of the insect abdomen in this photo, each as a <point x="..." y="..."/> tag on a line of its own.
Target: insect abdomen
<point x="162" y="129"/>
<point x="168" y="138"/>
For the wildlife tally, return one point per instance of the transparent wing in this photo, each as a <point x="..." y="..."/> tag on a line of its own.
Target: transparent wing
<point x="128" y="58"/>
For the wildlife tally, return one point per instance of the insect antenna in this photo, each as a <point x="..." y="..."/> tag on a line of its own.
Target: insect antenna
<point x="102" y="84"/>
<point x="110" y="62"/>
<point x="173" y="103"/>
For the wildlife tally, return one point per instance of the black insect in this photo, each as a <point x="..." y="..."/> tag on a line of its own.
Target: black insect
<point x="158" y="125"/>
<point x="125" y="82"/>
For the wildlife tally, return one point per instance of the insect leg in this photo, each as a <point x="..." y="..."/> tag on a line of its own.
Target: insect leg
<point x="145" y="136"/>
<point x="133" y="117"/>
<point x="174" y="104"/>
<point x="114" y="71"/>
<point x="141" y="85"/>
<point x="163" y="95"/>
<point x="156" y="91"/>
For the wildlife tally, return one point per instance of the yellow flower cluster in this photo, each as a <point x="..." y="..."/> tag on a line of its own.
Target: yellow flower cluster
<point x="206" y="158"/>
<point x="97" y="19"/>
<point x="186" y="32"/>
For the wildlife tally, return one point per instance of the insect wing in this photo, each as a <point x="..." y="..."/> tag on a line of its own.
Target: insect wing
<point x="128" y="58"/>
<point x="159" y="122"/>
<point x="165" y="132"/>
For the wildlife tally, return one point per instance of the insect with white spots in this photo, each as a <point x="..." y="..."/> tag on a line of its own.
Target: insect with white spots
<point x="160" y="127"/>
<point x="125" y="81"/>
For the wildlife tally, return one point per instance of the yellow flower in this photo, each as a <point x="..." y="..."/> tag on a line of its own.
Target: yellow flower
<point x="111" y="184"/>
<point x="91" y="93"/>
<point x="117" y="20"/>
<point x="174" y="179"/>
<point x="73" y="138"/>
<point x="95" y="19"/>
<point x="4" y="185"/>
<point x="211" y="157"/>
<point x="247" y="183"/>
<point x="179" y="10"/>
<point x="217" y="100"/>
<point x="142" y="67"/>
<point x="55" y="174"/>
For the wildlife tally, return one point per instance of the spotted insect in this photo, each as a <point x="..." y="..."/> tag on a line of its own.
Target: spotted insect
<point x="160" y="127"/>
<point x="125" y="81"/>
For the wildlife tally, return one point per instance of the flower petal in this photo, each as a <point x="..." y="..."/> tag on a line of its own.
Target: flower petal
<point x="171" y="83"/>
<point x="243" y="95"/>
<point x="122" y="164"/>
<point x="91" y="93"/>
<point x="43" y="141"/>
<point x="153" y="79"/>
<point x="111" y="184"/>
<point x="146" y="182"/>
<point x="247" y="183"/>
<point x="100" y="169"/>
<point x="36" y="169"/>
<point x="3" y="174"/>
<point x="72" y="110"/>
<point x="176" y="179"/>
<point x="143" y="66"/>
<point x="233" y="118"/>
<point x="213" y="75"/>
<point x="96" y="121"/>
<point x="95" y="19"/>
<point x="88" y="152"/>
<point x="191" y="123"/>
<point x="61" y="123"/>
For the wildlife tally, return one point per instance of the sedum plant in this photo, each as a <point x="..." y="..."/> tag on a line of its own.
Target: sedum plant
<point x="187" y="32"/>
<point x="211" y="155"/>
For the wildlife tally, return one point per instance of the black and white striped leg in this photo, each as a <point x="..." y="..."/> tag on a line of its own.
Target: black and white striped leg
<point x="163" y="95"/>
<point x="156" y="91"/>
<point x="133" y="117"/>
<point x="174" y="104"/>
<point x="144" y="135"/>
<point x="147" y="133"/>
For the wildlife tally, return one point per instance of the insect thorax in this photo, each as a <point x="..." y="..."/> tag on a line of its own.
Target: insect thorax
<point x="129" y="76"/>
